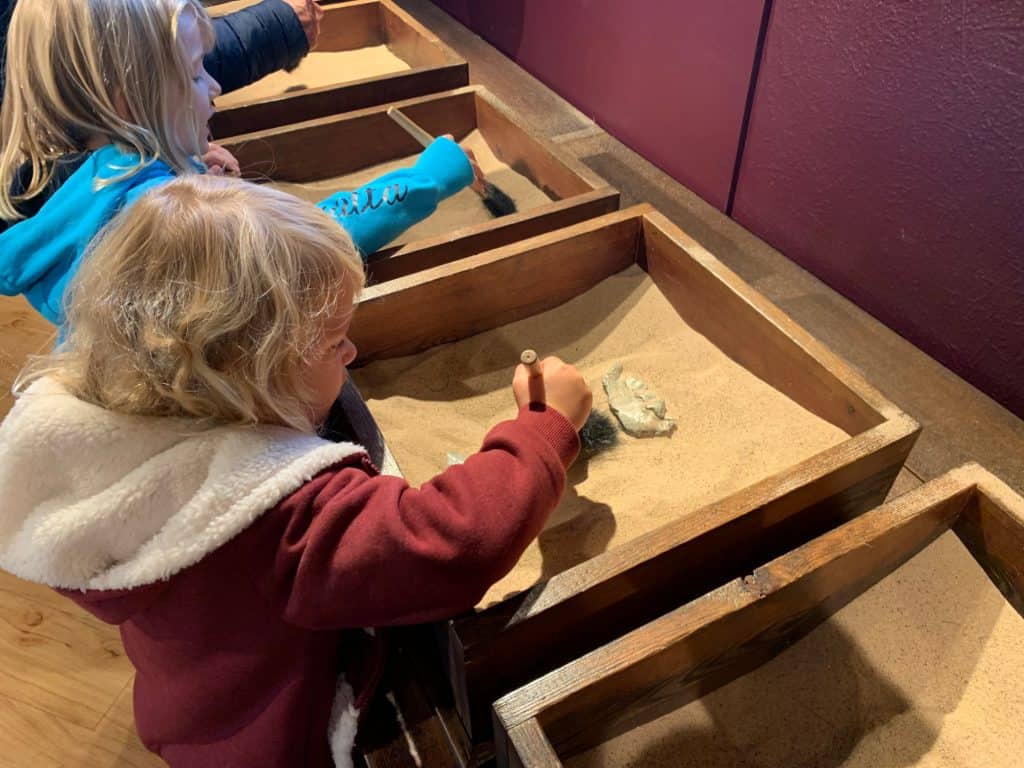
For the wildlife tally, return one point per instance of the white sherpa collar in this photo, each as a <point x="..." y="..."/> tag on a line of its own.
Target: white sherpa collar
<point x="91" y="499"/>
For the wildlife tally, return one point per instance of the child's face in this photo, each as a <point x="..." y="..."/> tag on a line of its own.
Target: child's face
<point x="203" y="90"/>
<point x="325" y="370"/>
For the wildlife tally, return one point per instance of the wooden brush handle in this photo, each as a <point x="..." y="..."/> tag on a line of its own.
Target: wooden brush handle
<point x="530" y="360"/>
<point x="410" y="127"/>
<point x="426" y="140"/>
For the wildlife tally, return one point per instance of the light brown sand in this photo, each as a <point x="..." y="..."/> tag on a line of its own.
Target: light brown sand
<point x="319" y="69"/>
<point x="733" y="428"/>
<point x="222" y="9"/>
<point x="922" y="670"/>
<point x="464" y="209"/>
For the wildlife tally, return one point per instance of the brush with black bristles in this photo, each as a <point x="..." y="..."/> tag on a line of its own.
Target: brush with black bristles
<point x="598" y="433"/>
<point x="494" y="199"/>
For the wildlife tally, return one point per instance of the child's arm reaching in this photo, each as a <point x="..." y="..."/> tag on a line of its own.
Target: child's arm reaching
<point x="256" y="41"/>
<point x="365" y="550"/>
<point x="353" y="548"/>
<point x="377" y="213"/>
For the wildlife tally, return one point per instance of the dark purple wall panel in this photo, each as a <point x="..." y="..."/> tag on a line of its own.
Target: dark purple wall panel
<point x="667" y="78"/>
<point x="886" y="155"/>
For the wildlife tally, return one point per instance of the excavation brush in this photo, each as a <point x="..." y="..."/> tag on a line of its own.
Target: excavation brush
<point x="598" y="433"/>
<point x="494" y="199"/>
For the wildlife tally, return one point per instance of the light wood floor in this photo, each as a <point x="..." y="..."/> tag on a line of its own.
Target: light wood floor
<point x="22" y="333"/>
<point x="65" y="683"/>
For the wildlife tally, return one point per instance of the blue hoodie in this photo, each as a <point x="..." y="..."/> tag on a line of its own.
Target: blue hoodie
<point x="377" y="213"/>
<point x="40" y="255"/>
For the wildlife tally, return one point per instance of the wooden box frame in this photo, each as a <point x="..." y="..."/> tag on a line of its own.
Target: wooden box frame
<point x="347" y="26"/>
<point x="490" y="652"/>
<point x="722" y="635"/>
<point x="369" y="137"/>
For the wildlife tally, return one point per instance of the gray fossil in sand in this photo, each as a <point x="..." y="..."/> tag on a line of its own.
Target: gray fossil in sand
<point x="641" y="412"/>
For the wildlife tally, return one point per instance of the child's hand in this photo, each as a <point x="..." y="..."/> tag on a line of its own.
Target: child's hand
<point x="219" y="161"/>
<point x="309" y="13"/>
<point x="478" y="175"/>
<point x="559" y="386"/>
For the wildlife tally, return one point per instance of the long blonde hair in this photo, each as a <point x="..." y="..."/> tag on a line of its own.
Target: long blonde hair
<point x="68" y="61"/>
<point x="203" y="299"/>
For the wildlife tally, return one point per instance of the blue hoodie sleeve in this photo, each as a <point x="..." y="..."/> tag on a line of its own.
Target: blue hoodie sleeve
<point x="255" y="41"/>
<point x="377" y="213"/>
<point x="39" y="256"/>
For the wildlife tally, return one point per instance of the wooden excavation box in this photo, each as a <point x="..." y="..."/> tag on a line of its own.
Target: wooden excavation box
<point x="317" y="158"/>
<point x="686" y="654"/>
<point x="370" y="52"/>
<point x="777" y="441"/>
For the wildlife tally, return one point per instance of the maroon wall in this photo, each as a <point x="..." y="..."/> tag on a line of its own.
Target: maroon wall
<point x="886" y="155"/>
<point x="669" y="78"/>
<point x="885" y="148"/>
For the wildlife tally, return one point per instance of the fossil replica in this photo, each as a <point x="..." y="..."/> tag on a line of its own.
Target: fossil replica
<point x="641" y="413"/>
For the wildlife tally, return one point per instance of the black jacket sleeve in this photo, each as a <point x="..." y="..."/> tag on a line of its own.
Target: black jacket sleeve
<point x="253" y="42"/>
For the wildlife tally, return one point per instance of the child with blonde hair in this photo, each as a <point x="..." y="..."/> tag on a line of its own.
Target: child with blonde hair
<point x="252" y="42"/>
<point x="161" y="469"/>
<point x="122" y="84"/>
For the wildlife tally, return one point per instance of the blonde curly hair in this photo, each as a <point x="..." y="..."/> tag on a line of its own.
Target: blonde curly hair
<point x="70" y="61"/>
<point x="204" y="299"/>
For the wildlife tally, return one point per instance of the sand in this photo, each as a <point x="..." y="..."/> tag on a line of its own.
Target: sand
<point x="922" y="670"/>
<point x="461" y="210"/>
<point x="734" y="429"/>
<point x="222" y="9"/>
<point x="319" y="69"/>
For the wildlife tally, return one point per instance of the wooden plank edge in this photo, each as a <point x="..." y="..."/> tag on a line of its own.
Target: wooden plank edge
<point x="420" y="255"/>
<point x="355" y="114"/>
<point x="992" y="530"/>
<point x="808" y="482"/>
<point x="295" y="97"/>
<point x="563" y="156"/>
<point x="490" y="289"/>
<point x="814" y="348"/>
<point x="510" y="251"/>
<point x="529" y="747"/>
<point x="425" y="32"/>
<point x="852" y="554"/>
<point x="604" y="598"/>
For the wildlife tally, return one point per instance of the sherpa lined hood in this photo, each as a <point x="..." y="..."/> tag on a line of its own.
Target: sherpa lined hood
<point x="96" y="500"/>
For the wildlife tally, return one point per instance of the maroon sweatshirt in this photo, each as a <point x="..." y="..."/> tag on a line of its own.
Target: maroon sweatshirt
<point x="237" y="656"/>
